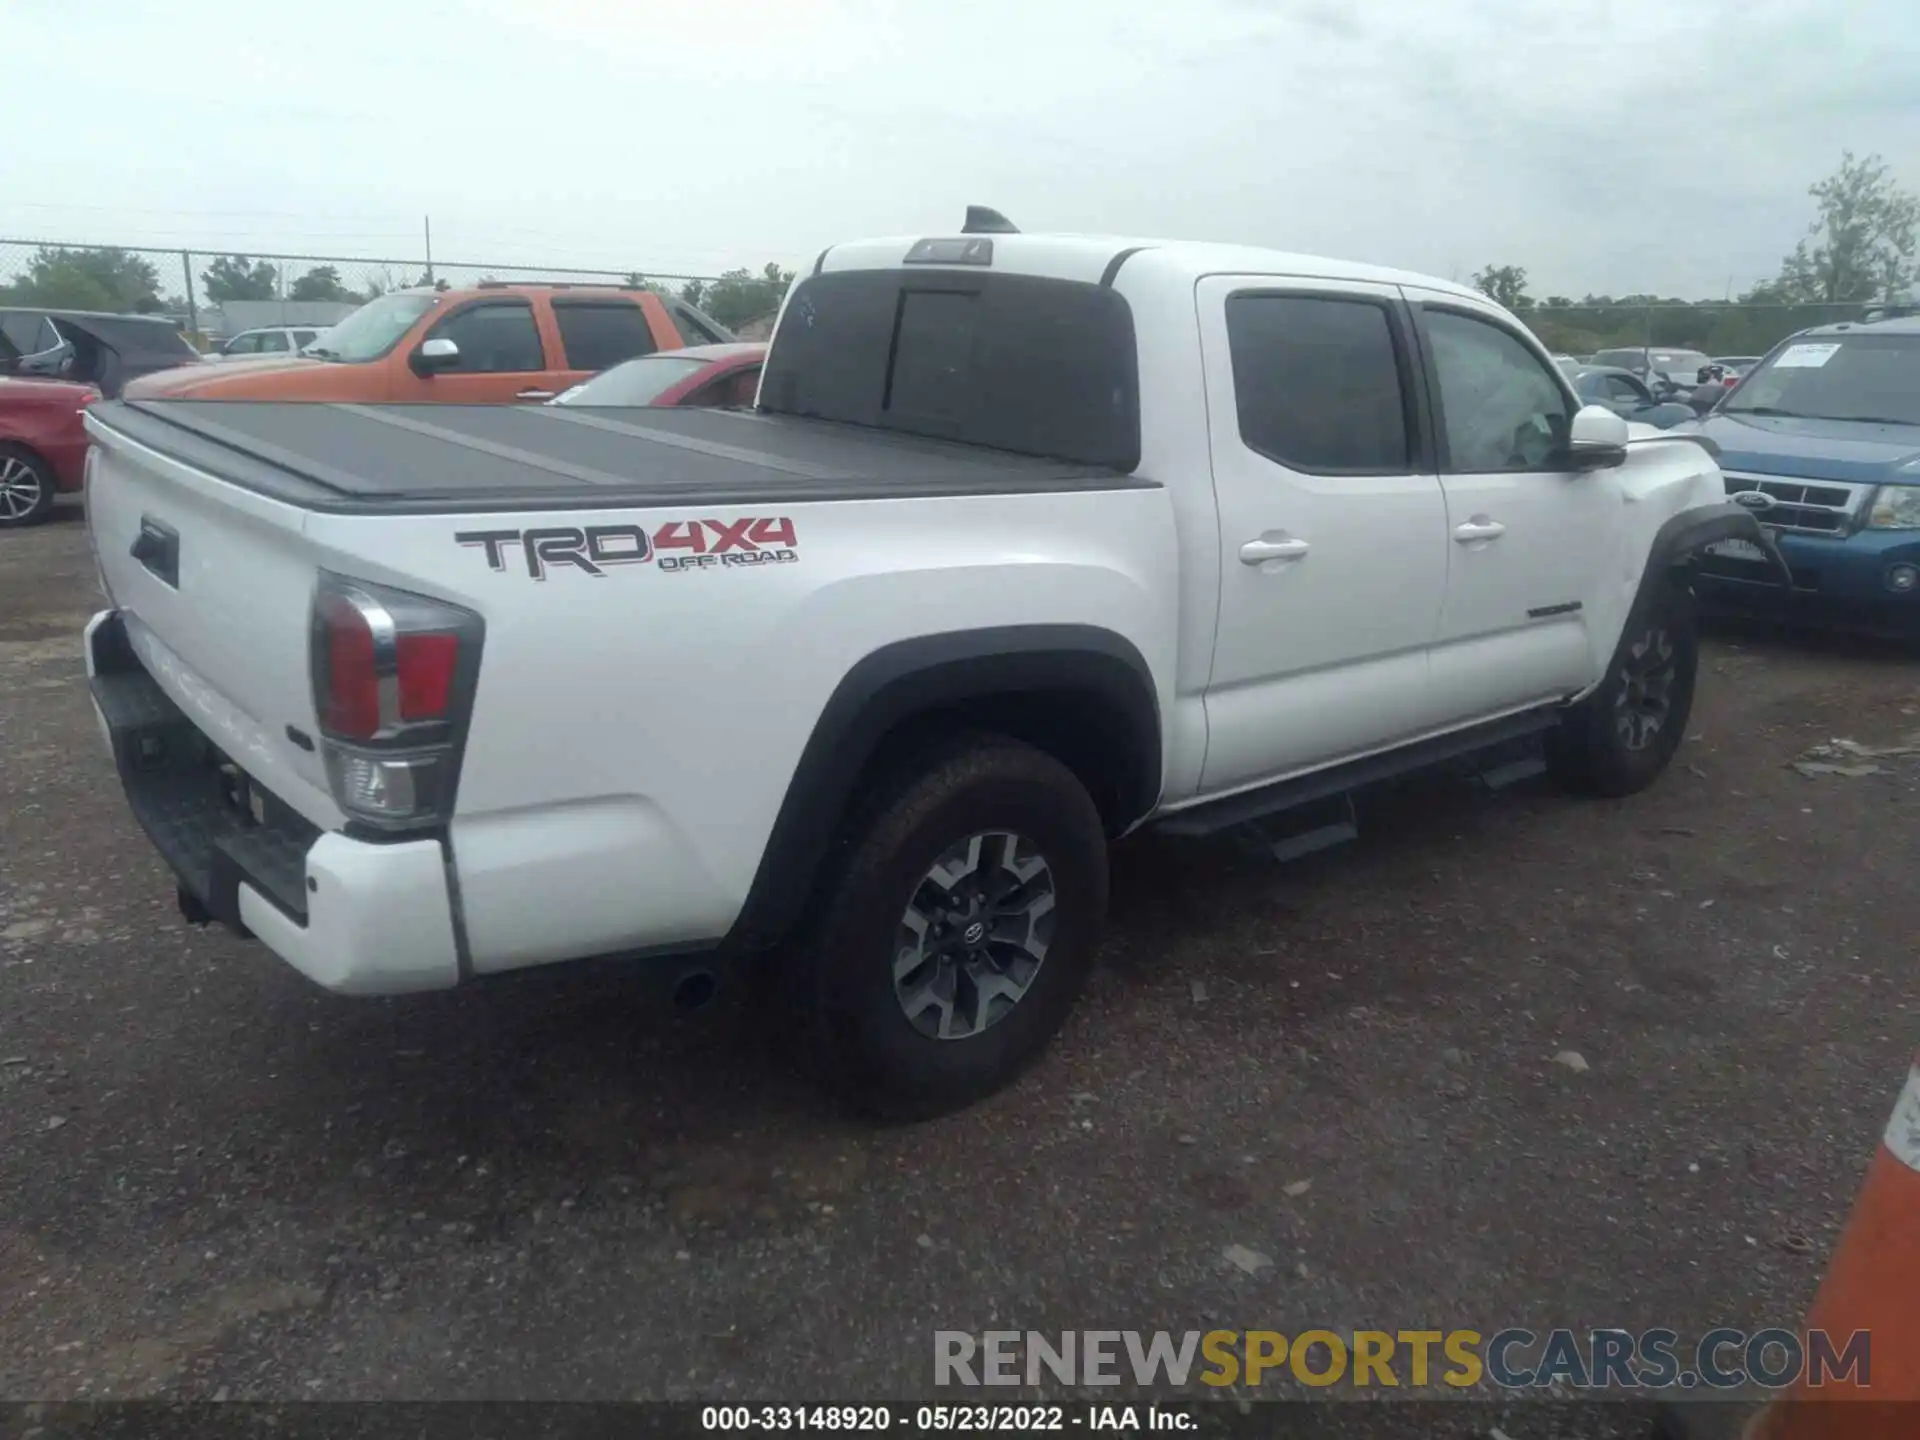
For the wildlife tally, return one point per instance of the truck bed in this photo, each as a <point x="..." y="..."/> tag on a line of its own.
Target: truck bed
<point x="426" y="459"/>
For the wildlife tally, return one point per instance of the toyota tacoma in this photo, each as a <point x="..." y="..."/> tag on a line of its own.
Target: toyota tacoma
<point x="1029" y="542"/>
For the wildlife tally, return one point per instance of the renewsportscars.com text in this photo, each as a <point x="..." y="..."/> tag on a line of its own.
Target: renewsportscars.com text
<point x="1512" y="1359"/>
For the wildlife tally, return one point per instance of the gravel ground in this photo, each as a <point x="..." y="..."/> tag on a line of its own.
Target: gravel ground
<point x="219" y="1181"/>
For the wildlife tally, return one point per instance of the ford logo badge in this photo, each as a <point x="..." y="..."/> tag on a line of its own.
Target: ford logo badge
<point x="1754" y="500"/>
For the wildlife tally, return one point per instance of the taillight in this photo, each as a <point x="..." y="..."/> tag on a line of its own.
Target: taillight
<point x="349" y="705"/>
<point x="426" y="674"/>
<point x="393" y="680"/>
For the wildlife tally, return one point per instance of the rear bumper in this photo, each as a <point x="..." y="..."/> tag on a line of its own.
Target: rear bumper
<point x="356" y="917"/>
<point x="1839" y="580"/>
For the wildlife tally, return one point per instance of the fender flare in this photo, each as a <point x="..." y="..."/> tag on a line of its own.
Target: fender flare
<point x="1684" y="535"/>
<point x="908" y="678"/>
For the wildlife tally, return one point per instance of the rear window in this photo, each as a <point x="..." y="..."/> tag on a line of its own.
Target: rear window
<point x="1678" y="363"/>
<point x="1017" y="362"/>
<point x="599" y="334"/>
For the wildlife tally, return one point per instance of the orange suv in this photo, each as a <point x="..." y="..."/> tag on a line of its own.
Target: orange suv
<point x="494" y="344"/>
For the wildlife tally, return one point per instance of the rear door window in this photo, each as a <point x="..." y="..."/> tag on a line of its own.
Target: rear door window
<point x="1319" y="384"/>
<point x="273" y="341"/>
<point x="694" y="327"/>
<point x="597" y="334"/>
<point x="495" y="337"/>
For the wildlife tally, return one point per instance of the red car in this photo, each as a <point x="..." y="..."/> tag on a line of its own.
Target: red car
<point x="716" y="376"/>
<point x="43" y="445"/>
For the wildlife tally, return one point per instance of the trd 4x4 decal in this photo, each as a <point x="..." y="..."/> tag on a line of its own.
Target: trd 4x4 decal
<point x="676" y="545"/>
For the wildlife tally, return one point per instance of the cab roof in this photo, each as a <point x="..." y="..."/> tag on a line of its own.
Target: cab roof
<point x="1097" y="259"/>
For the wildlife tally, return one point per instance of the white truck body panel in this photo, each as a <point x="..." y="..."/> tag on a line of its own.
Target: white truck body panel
<point x="587" y="809"/>
<point x="597" y="807"/>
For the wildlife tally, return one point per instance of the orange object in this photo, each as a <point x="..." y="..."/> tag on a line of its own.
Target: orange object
<point x="1872" y="1284"/>
<point x="523" y="343"/>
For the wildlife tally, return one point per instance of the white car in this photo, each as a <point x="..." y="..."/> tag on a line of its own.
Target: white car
<point x="268" y="340"/>
<point x="1031" y="541"/>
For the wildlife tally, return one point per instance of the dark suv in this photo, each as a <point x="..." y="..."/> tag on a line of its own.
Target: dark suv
<point x="105" y="351"/>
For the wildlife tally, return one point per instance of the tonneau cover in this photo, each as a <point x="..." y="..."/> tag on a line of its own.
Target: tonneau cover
<point x="414" y="458"/>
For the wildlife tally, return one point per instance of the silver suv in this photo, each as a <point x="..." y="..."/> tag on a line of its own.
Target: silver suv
<point x="1679" y="368"/>
<point x="268" y="340"/>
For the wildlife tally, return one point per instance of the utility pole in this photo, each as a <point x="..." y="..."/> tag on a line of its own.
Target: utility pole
<point x="427" y="220"/>
<point x="186" y="272"/>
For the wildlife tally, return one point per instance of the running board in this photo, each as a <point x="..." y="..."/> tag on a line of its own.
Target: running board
<point x="1338" y="780"/>
<point x="1305" y="831"/>
<point x="1499" y="777"/>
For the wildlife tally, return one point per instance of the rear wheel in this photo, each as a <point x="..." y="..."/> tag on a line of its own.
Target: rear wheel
<point x="26" y="487"/>
<point x="958" y="931"/>
<point x="1620" y="738"/>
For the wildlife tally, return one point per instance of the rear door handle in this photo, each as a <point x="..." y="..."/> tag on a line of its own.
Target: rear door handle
<point x="1258" y="552"/>
<point x="1482" y="529"/>
<point x="534" y="395"/>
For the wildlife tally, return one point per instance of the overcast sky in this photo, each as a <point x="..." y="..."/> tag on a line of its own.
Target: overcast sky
<point x="1609" y="147"/>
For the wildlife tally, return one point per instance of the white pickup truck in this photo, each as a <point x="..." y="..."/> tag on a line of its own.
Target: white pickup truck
<point x="1029" y="542"/>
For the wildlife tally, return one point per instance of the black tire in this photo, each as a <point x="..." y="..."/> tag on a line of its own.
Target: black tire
<point x="26" y="487"/>
<point x="860" y="1038"/>
<point x="1618" y="740"/>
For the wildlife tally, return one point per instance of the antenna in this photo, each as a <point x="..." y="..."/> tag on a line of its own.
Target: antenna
<point x="984" y="221"/>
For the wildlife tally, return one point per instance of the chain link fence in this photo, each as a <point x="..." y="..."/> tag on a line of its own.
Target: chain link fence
<point x="212" y="294"/>
<point x="1719" y="328"/>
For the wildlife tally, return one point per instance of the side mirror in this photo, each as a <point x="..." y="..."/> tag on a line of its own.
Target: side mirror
<point x="434" y="355"/>
<point x="1597" y="439"/>
<point x="1705" y="398"/>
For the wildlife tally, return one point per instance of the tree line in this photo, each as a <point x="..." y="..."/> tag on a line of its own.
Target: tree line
<point x="113" y="279"/>
<point x="1859" y="249"/>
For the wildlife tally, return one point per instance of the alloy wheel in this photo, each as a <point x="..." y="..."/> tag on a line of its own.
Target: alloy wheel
<point x="20" y="488"/>
<point x="974" y="936"/>
<point x="1645" y="701"/>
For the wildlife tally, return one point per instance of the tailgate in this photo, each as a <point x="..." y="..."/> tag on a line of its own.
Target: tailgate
<point x="215" y="585"/>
